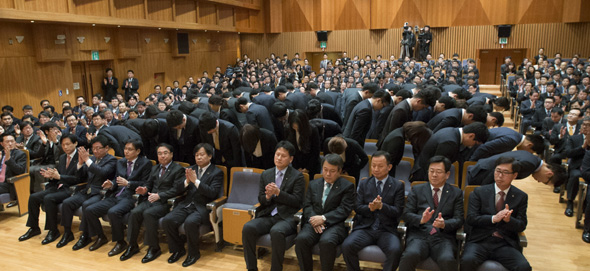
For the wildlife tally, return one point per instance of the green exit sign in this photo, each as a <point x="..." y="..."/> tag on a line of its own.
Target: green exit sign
<point x="322" y="44"/>
<point x="95" y="55"/>
<point x="503" y="41"/>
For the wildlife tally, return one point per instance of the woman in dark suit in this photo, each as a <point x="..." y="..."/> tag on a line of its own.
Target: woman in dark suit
<point x="353" y="154"/>
<point x="417" y="132"/>
<point x="259" y="146"/>
<point x="306" y="139"/>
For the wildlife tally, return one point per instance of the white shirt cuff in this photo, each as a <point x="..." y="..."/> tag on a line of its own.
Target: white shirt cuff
<point x="88" y="162"/>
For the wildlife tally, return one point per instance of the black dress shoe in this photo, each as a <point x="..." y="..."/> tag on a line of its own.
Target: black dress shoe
<point x="101" y="240"/>
<point x="131" y="250"/>
<point x="12" y="204"/>
<point x="557" y="189"/>
<point x="119" y="247"/>
<point x="52" y="235"/>
<point x="190" y="260"/>
<point x="176" y="256"/>
<point x="30" y="233"/>
<point x="569" y="209"/>
<point x="82" y="242"/>
<point x="586" y="236"/>
<point x="152" y="254"/>
<point x="65" y="239"/>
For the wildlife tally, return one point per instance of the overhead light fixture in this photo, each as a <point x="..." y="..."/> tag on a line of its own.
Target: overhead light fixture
<point x="32" y="22"/>
<point x="93" y="24"/>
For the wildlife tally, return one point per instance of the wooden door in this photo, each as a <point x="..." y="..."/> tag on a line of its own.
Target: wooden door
<point x="315" y="58"/>
<point x="88" y="76"/>
<point x="490" y="60"/>
<point x="79" y="77"/>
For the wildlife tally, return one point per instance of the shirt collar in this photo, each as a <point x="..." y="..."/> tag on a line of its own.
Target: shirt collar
<point x="205" y="167"/>
<point x="460" y="135"/>
<point x="282" y="171"/>
<point x="497" y="189"/>
<point x="73" y="154"/>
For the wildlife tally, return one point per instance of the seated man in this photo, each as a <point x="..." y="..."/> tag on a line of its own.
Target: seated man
<point x="575" y="149"/>
<point x="13" y="163"/>
<point x="379" y="205"/>
<point x="328" y="202"/>
<point x="280" y="195"/>
<point x="60" y="179"/>
<point x="203" y="184"/>
<point x="433" y="214"/>
<point x="495" y="228"/>
<point x="159" y="187"/>
<point x="131" y="172"/>
<point x="586" y="175"/>
<point x="49" y="151"/>
<point x="96" y="170"/>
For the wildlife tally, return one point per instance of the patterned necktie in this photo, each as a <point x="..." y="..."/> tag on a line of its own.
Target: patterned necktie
<point x="129" y="168"/>
<point x="379" y="188"/>
<point x="499" y="207"/>
<point x="435" y="199"/>
<point x="571" y="130"/>
<point x="278" y="182"/>
<point x="326" y="192"/>
<point x="68" y="161"/>
<point x="162" y="171"/>
<point x="200" y="173"/>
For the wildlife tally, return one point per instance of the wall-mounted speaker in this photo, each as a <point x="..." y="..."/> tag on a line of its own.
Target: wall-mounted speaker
<point x="182" y="44"/>
<point x="504" y="31"/>
<point x="322" y="35"/>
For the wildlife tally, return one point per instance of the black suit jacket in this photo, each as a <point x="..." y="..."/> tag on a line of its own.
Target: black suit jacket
<point x="17" y="164"/>
<point x="393" y="204"/>
<point x="139" y="174"/>
<point x="351" y="99"/>
<point x="32" y="146"/>
<point x="560" y="143"/>
<point x="394" y="144"/>
<point x="482" y="206"/>
<point x="525" y="108"/>
<point x="266" y="100"/>
<point x="210" y="188"/>
<point x="167" y="186"/>
<point x="117" y="136"/>
<point x="230" y="152"/>
<point x="268" y="142"/>
<point x="447" y="142"/>
<point x="400" y="114"/>
<point x="68" y="174"/>
<point x="97" y="173"/>
<point x="501" y="139"/>
<point x="110" y="88"/>
<point x="338" y="205"/>
<point x="484" y="169"/>
<point x="448" y="118"/>
<point x="189" y="138"/>
<point x="538" y="117"/>
<point x="131" y="87"/>
<point x="359" y="122"/>
<point x="80" y="134"/>
<point x="356" y="158"/>
<point x="450" y="206"/>
<point x="296" y="100"/>
<point x="289" y="200"/>
<point x="574" y="151"/>
<point x="329" y="112"/>
<point x="258" y="115"/>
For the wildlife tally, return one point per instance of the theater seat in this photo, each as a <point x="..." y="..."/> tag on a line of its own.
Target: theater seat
<point x="402" y="172"/>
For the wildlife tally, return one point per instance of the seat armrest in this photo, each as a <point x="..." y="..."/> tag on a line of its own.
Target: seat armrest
<point x="13" y="179"/>
<point x="461" y="235"/>
<point x="74" y="187"/>
<point x="349" y="222"/>
<point x="135" y="196"/>
<point x="44" y="185"/>
<point x="298" y="216"/>
<point x="402" y="229"/>
<point x="216" y="203"/>
<point x="103" y="192"/>
<point x="522" y="240"/>
<point x="252" y="210"/>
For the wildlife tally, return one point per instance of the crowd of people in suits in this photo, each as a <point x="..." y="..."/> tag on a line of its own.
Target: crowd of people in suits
<point x="279" y="115"/>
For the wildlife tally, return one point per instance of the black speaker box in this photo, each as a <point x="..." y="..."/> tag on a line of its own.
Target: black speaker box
<point x="504" y="31"/>
<point x="322" y="35"/>
<point x="182" y="43"/>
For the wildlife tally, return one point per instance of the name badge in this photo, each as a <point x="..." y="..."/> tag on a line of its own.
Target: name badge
<point x="88" y="191"/>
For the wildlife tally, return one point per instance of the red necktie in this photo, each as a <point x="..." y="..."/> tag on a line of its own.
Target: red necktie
<point x="435" y="199"/>
<point x="68" y="161"/>
<point x="162" y="172"/>
<point x="499" y="207"/>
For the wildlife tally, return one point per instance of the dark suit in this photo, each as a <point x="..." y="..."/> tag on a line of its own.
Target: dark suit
<point x="265" y="99"/>
<point x="355" y="157"/>
<point x="132" y="86"/>
<point x="394" y="144"/>
<point x="192" y="211"/>
<point x="117" y="136"/>
<point x="80" y="134"/>
<point x="268" y="143"/>
<point x="118" y="201"/>
<point x="538" y="117"/>
<point x="95" y="174"/>
<point x="586" y="175"/>
<point x="338" y="205"/>
<point x="296" y="100"/>
<point x="483" y="172"/>
<point x="421" y="242"/>
<point x="560" y="143"/>
<point x="400" y="114"/>
<point x="49" y="153"/>
<point x="55" y="192"/>
<point x="258" y="115"/>
<point x="447" y="142"/>
<point x="575" y="154"/>
<point x="110" y="88"/>
<point x="501" y="139"/>
<point x="229" y="152"/>
<point x="377" y="227"/>
<point x="33" y="145"/>
<point x="307" y="158"/>
<point x="351" y="99"/>
<point x="448" y="118"/>
<point x="326" y="128"/>
<point x="187" y="141"/>
<point x="16" y="165"/>
<point x="148" y="213"/>
<point x="359" y="122"/>
<point x="329" y="112"/>
<point x="282" y="224"/>
<point x="481" y="245"/>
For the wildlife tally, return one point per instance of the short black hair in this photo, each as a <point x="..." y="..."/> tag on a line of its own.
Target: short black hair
<point x="479" y="114"/>
<point x="502" y="102"/>
<point x="441" y="159"/>
<point x="557" y="110"/>
<point x="538" y="143"/>
<point x="285" y="144"/>
<point x="279" y="110"/>
<point x="208" y="148"/>
<point x="448" y="101"/>
<point x="174" y="118"/>
<point x="559" y="174"/>
<point x="167" y="146"/>
<point x="428" y="96"/>
<point x="499" y="118"/>
<point x="479" y="129"/>
<point x="383" y="154"/>
<point x="371" y="87"/>
<point x="207" y="121"/>
<point x="73" y="138"/>
<point x="137" y="144"/>
<point x="508" y="160"/>
<point x="47" y="126"/>
<point x="8" y="107"/>
<point x="334" y="159"/>
<point x="240" y="101"/>
<point x="103" y="140"/>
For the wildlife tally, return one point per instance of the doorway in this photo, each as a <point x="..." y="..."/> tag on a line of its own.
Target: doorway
<point x="315" y="58"/>
<point x="490" y="60"/>
<point x="88" y="76"/>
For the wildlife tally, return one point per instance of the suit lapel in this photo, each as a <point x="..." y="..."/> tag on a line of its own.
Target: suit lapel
<point x="388" y="184"/>
<point x="333" y="191"/>
<point x="428" y="194"/>
<point x="285" y="178"/>
<point x="510" y="198"/>
<point x="492" y="199"/>
<point x="443" y="198"/>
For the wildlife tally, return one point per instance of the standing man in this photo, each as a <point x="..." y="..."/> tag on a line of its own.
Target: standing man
<point x="131" y="172"/>
<point x="359" y="122"/>
<point x="280" y="195"/>
<point x="203" y="184"/>
<point x="222" y="135"/>
<point x="379" y="206"/>
<point x="109" y="85"/>
<point x="184" y="135"/>
<point x="497" y="214"/>
<point x="161" y="185"/>
<point x="433" y="215"/>
<point x="328" y="202"/>
<point x="131" y="84"/>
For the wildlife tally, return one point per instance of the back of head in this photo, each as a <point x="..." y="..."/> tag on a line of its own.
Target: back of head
<point x="428" y="96"/>
<point x="174" y="118"/>
<point x="371" y="87"/>
<point x="479" y="114"/>
<point x="499" y="118"/>
<point x="278" y="110"/>
<point x="538" y="143"/>
<point x="479" y="129"/>
<point x="314" y="107"/>
<point x="186" y="107"/>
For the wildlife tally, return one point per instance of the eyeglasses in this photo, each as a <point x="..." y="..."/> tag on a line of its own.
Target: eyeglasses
<point x="501" y="172"/>
<point x="97" y="148"/>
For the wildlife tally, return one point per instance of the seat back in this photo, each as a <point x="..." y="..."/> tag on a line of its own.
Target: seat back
<point x="182" y="164"/>
<point x="224" y="170"/>
<point x="466" y="193"/>
<point x="421" y="182"/>
<point x="348" y="178"/>
<point x="402" y="172"/>
<point x="408" y="151"/>
<point x="370" y="146"/>
<point x="466" y="166"/>
<point x="306" y="178"/>
<point x="454" y="177"/>
<point x="243" y="187"/>
<point x="111" y="151"/>
<point x="28" y="164"/>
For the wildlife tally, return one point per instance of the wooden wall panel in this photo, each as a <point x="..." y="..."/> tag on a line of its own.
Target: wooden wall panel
<point x="46" y="48"/>
<point x="242" y="18"/>
<point x="25" y="48"/>
<point x="297" y="15"/>
<point x="225" y="15"/>
<point x="348" y="14"/>
<point x="464" y="40"/>
<point x="207" y="13"/>
<point x="6" y="3"/>
<point x="94" y="40"/>
<point x="46" y="5"/>
<point x="91" y="7"/>
<point x="130" y="9"/>
<point x="186" y="11"/>
<point x="160" y="10"/>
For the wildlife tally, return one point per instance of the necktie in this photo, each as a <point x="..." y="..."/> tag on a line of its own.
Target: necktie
<point x="162" y="171"/>
<point x="571" y="130"/>
<point x="326" y="192"/>
<point x="499" y="207"/>
<point x="278" y="182"/>
<point x="379" y="187"/>
<point x="377" y="222"/>
<point x="435" y="199"/>
<point x="69" y="159"/>
<point x="129" y="168"/>
<point x="200" y="173"/>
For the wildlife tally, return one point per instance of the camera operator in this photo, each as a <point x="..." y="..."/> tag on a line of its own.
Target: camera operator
<point x="408" y="42"/>
<point x="425" y="38"/>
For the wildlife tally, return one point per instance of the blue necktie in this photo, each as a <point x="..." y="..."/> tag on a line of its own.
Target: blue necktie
<point x="326" y="192"/>
<point x="278" y="181"/>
